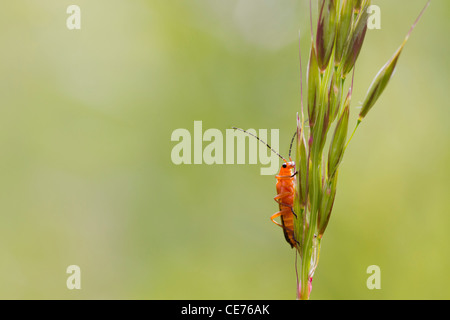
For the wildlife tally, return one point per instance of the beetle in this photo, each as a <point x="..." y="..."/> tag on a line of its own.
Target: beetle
<point x="286" y="181"/>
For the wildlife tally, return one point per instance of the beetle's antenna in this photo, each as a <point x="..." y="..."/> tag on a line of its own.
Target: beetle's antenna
<point x="251" y="134"/>
<point x="292" y="142"/>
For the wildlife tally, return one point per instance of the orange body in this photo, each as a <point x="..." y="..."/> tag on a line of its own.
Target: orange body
<point x="285" y="198"/>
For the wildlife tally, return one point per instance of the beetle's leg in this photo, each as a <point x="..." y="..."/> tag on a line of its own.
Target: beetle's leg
<point x="276" y="215"/>
<point x="287" y="205"/>
<point x="287" y="177"/>
<point x="292" y="210"/>
<point x="281" y="195"/>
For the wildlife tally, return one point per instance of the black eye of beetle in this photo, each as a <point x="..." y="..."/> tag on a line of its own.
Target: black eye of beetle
<point x="284" y="165"/>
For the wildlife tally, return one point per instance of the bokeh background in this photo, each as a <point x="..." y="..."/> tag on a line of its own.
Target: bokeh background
<point x="86" y="177"/>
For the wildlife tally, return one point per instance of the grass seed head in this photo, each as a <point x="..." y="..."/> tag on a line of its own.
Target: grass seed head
<point x="328" y="196"/>
<point x="379" y="83"/>
<point x="313" y="86"/>
<point x="344" y="28"/>
<point x="338" y="141"/>
<point x="334" y="96"/>
<point x="326" y="32"/>
<point x="382" y="78"/>
<point x="341" y="28"/>
<point x="356" y="41"/>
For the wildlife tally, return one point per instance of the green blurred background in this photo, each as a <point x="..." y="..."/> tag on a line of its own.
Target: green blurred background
<point x="86" y="119"/>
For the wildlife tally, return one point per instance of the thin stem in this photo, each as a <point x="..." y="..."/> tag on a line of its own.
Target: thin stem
<point x="351" y="137"/>
<point x="417" y="20"/>
<point x="310" y="21"/>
